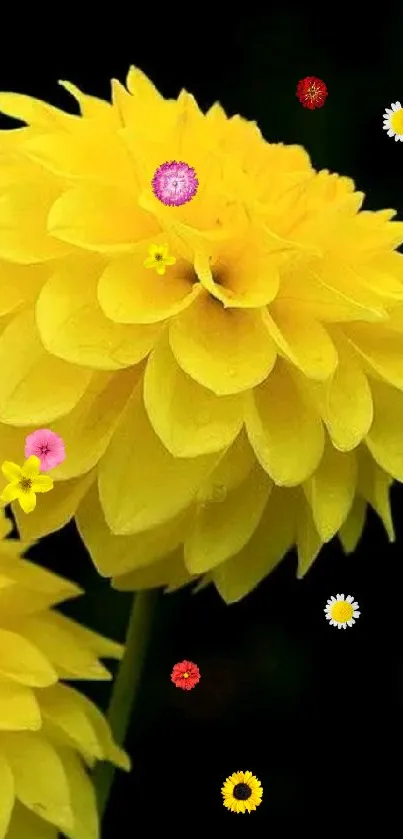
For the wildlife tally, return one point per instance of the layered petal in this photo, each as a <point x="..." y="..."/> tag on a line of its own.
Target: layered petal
<point x="35" y="387"/>
<point x="130" y="293"/>
<point x="222" y="526"/>
<point x="330" y="491"/>
<point x="384" y="439"/>
<point x="225" y="350"/>
<point x="116" y="555"/>
<point x="273" y="537"/>
<point x="284" y="430"/>
<point x="45" y="793"/>
<point x="73" y="327"/>
<point x="214" y="421"/>
<point x="100" y="218"/>
<point x="142" y="486"/>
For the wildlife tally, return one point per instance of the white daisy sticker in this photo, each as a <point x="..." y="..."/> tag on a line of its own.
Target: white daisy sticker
<point x="342" y="611"/>
<point x="393" y="121"/>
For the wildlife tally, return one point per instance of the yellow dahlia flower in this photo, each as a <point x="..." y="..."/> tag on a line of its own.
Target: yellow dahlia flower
<point x="48" y="730"/>
<point x="246" y="400"/>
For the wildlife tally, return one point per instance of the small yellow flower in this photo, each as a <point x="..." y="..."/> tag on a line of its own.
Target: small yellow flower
<point x="242" y="792"/>
<point x="159" y="259"/>
<point x="24" y="482"/>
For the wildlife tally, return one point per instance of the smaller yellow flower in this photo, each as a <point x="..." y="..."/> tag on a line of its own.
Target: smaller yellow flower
<point x="242" y="792"/>
<point x="24" y="482"/>
<point x="159" y="259"/>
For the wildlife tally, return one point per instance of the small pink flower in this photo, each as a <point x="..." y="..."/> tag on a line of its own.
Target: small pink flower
<point x="175" y="183"/>
<point x="46" y="445"/>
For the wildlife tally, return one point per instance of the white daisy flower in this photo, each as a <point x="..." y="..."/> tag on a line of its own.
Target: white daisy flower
<point x="342" y="611"/>
<point x="393" y="121"/>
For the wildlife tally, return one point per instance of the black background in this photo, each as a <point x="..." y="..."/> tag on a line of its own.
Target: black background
<point x="313" y="712"/>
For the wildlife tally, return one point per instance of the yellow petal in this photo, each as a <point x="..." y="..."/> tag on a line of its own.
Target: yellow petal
<point x="225" y="350"/>
<point x="169" y="572"/>
<point x="211" y="425"/>
<point x="309" y="543"/>
<point x="350" y="532"/>
<point x="374" y="487"/>
<point x="100" y="218"/>
<point x="114" y="555"/>
<point x="345" y="402"/>
<point x="26" y="823"/>
<point x="330" y="491"/>
<point x="82" y="797"/>
<point x="7" y="797"/>
<point x="11" y="471"/>
<point x="35" y="387"/>
<point x="27" y="501"/>
<point x="240" y="277"/>
<point x="22" y="661"/>
<point x="24" y="210"/>
<point x="73" y="326"/>
<point x="10" y="493"/>
<point x="103" y="732"/>
<point x="42" y="483"/>
<point x="19" y="284"/>
<point x="284" y="431"/>
<point x="384" y="439"/>
<point x="223" y="527"/>
<point x="54" y="511"/>
<point x="270" y="542"/>
<point x="302" y="340"/>
<point x="307" y="289"/>
<point x="91" y="107"/>
<point x="31" y="467"/>
<point x="34" y="112"/>
<point x="336" y="279"/>
<point x="140" y="484"/>
<point x="19" y="709"/>
<point x="128" y="292"/>
<point x="79" y="154"/>
<point x="45" y="792"/>
<point x="88" y="428"/>
<point x="59" y="706"/>
<point x="382" y="350"/>
<point x="51" y="634"/>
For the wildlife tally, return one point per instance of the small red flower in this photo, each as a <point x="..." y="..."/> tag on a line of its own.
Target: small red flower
<point x="311" y="92"/>
<point x="185" y="675"/>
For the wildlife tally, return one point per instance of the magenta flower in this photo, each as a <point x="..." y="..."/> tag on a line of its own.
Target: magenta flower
<point x="46" y="445"/>
<point x="175" y="183"/>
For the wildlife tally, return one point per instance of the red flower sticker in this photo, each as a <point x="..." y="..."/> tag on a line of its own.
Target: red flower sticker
<point x="311" y="92"/>
<point x="185" y="675"/>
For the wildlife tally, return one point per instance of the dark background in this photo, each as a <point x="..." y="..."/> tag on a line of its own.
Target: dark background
<point x="313" y="712"/>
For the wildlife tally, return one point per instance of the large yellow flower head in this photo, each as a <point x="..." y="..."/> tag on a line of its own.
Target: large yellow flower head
<point x="243" y="399"/>
<point x="48" y="730"/>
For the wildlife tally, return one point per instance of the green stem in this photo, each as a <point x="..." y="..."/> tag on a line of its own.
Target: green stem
<point x="125" y="688"/>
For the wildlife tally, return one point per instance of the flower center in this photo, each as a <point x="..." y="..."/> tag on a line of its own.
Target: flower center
<point x="186" y="675"/>
<point x="342" y="611"/>
<point x="25" y="484"/>
<point x="44" y="448"/>
<point x="242" y="792"/>
<point x="396" y="121"/>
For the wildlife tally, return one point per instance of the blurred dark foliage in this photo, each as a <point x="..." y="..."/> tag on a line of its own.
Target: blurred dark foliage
<point x="313" y="712"/>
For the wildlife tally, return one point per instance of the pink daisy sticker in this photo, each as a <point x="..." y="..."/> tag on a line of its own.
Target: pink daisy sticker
<point x="175" y="183"/>
<point x="46" y="445"/>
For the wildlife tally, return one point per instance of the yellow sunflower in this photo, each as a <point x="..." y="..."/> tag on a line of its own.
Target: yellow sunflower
<point x="242" y="792"/>
<point x="245" y="401"/>
<point x="49" y="732"/>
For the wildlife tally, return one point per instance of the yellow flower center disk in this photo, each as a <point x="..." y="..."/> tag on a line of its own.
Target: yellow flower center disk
<point x="186" y="675"/>
<point x="25" y="484"/>
<point x="341" y="611"/>
<point x="396" y="121"/>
